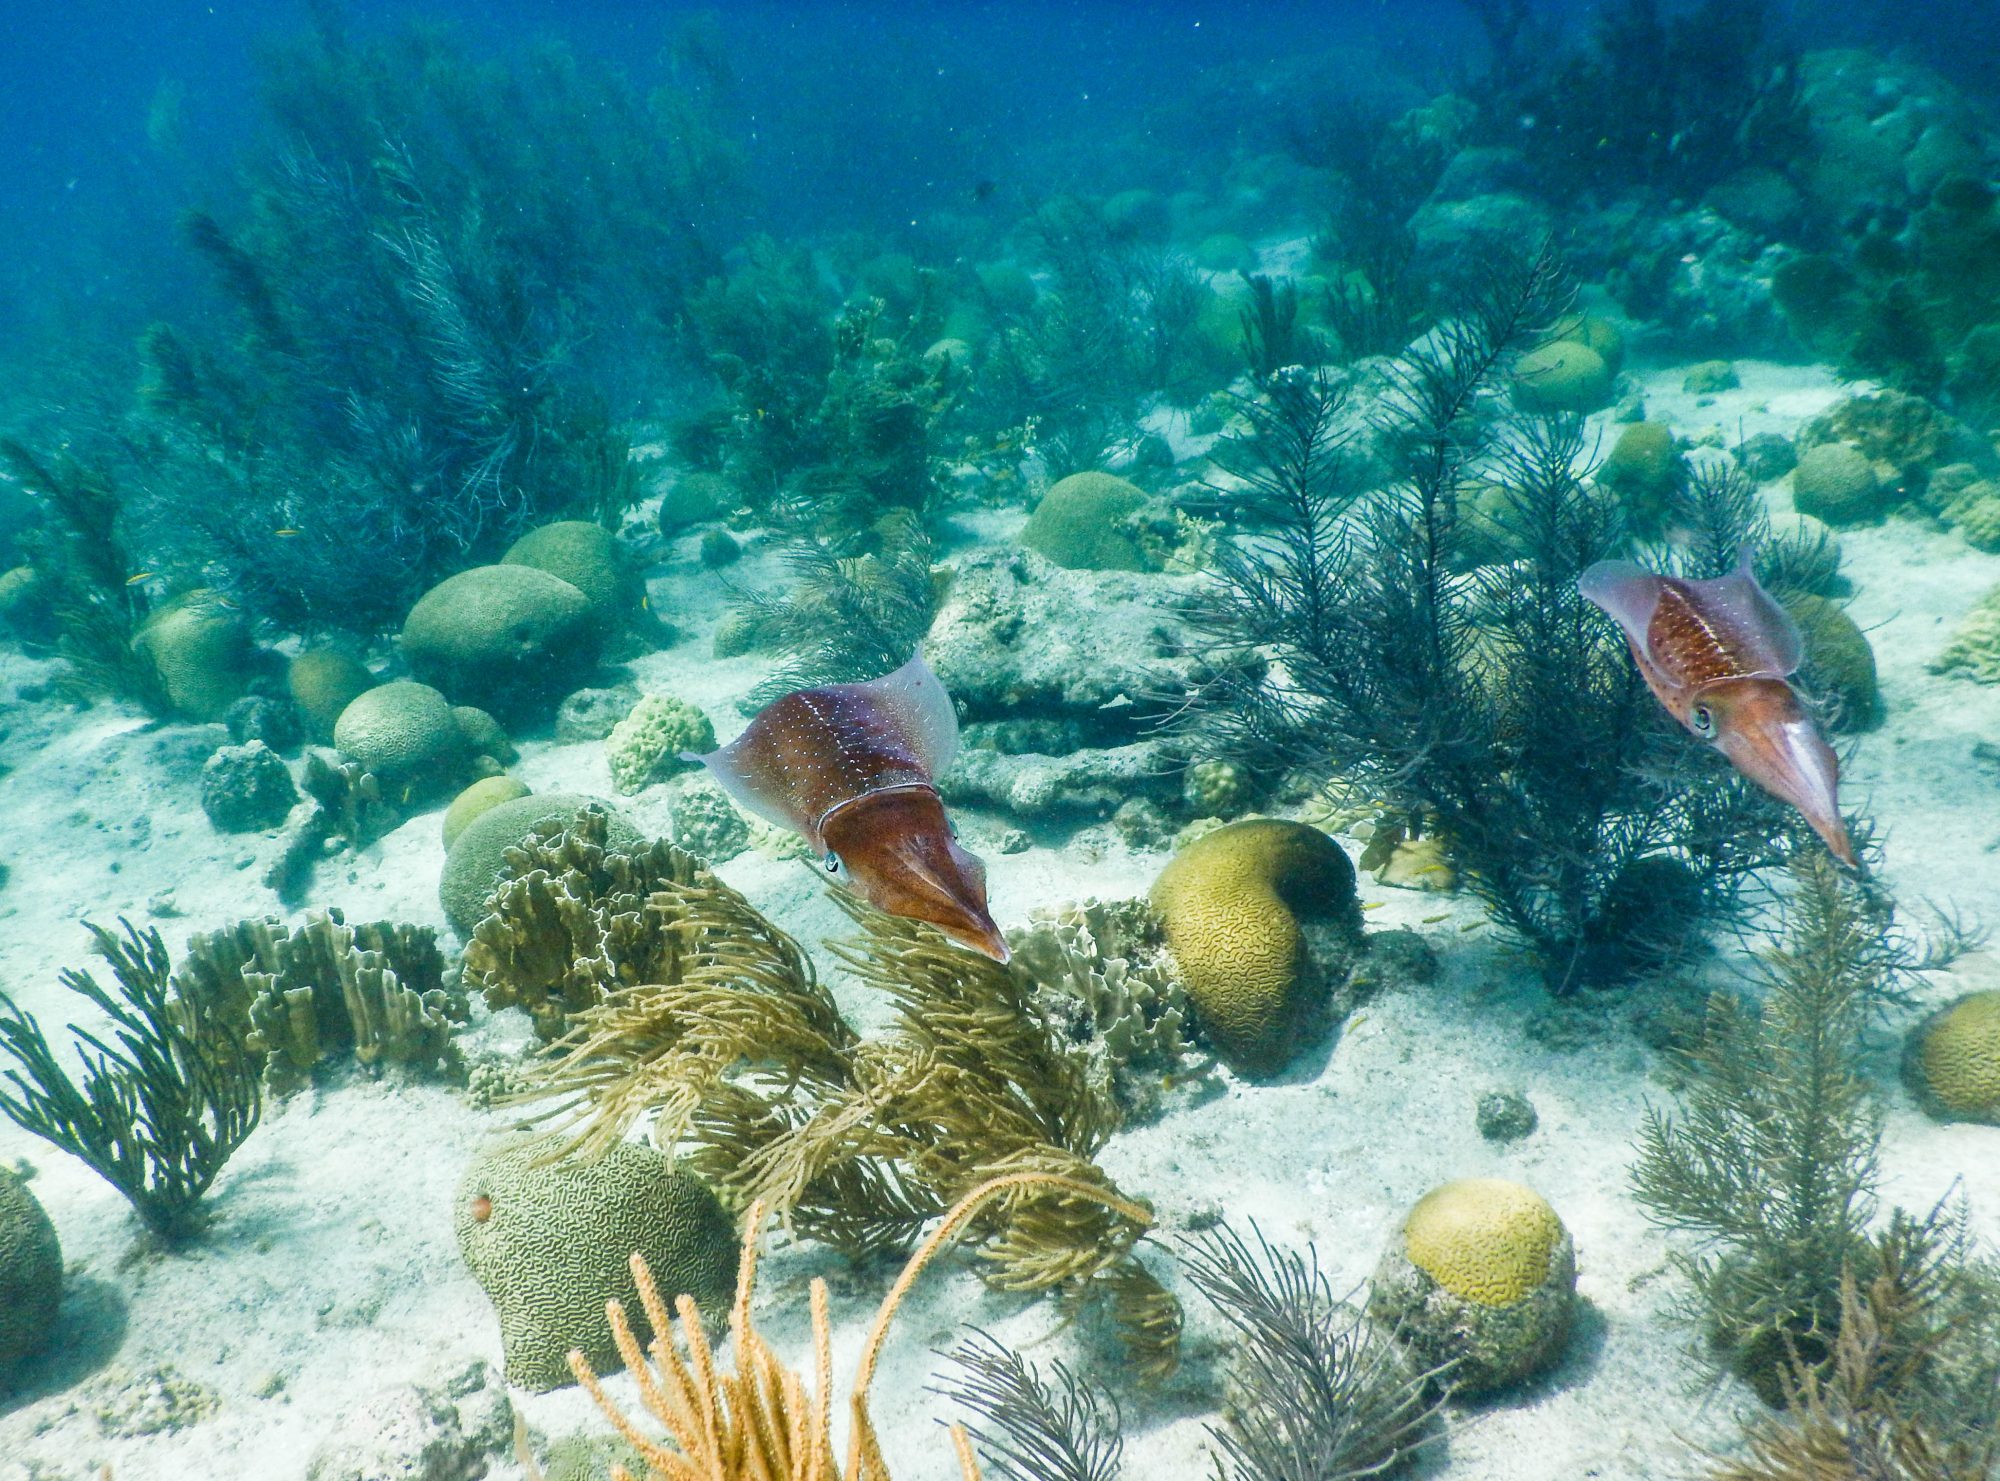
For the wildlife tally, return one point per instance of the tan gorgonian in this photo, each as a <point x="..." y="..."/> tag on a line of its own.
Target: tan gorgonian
<point x="760" y="1422"/>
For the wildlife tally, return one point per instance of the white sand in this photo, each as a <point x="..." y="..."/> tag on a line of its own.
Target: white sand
<point x="331" y="1268"/>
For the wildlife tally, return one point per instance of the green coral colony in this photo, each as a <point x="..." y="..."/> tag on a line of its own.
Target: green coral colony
<point x="564" y="630"/>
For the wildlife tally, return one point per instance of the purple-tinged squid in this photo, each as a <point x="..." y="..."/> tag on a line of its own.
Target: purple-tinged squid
<point x="852" y="767"/>
<point x="1718" y="654"/>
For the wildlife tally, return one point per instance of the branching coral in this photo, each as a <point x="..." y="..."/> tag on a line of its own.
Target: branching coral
<point x="158" y="1113"/>
<point x="1488" y="702"/>
<point x="733" y="1044"/>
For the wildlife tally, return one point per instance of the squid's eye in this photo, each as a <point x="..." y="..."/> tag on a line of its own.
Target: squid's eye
<point x="832" y="862"/>
<point x="1703" y="720"/>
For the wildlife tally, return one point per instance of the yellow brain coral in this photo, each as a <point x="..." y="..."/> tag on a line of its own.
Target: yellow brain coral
<point x="1479" y="1282"/>
<point x="1232" y="901"/>
<point x="1486" y="1239"/>
<point x="1954" y="1059"/>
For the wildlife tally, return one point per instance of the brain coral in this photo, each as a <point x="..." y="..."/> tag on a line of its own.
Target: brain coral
<point x="405" y="734"/>
<point x="550" y="1243"/>
<point x="31" y="1275"/>
<point x="1952" y="1060"/>
<point x="323" y="682"/>
<point x="482" y="796"/>
<point x="1835" y="482"/>
<point x="199" y="648"/>
<point x="1482" y="1275"/>
<point x="1232" y="901"/>
<point x="1562" y="377"/>
<point x="477" y="859"/>
<point x="1840" y="663"/>
<point x="509" y="639"/>
<point x="1082" y="524"/>
<point x="586" y="555"/>
<point x="1645" y="469"/>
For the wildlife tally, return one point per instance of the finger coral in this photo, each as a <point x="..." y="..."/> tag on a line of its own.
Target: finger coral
<point x="551" y="1241"/>
<point x="1232" y="902"/>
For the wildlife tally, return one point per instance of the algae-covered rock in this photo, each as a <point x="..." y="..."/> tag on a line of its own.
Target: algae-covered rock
<point x="586" y="555"/>
<point x="551" y="1242"/>
<point x="1083" y="523"/>
<point x="646" y="745"/>
<point x="1562" y="377"/>
<point x="199" y="646"/>
<point x="477" y="859"/>
<point x="482" y="796"/>
<point x="1709" y="377"/>
<point x="1224" y="253"/>
<point x="510" y="639"/>
<point x="31" y="1277"/>
<point x="406" y="735"/>
<point x="1232" y="903"/>
<point x="1839" y="664"/>
<point x="323" y="682"/>
<point x="246" y="788"/>
<point x="1481" y="1275"/>
<point x="1834" y="481"/>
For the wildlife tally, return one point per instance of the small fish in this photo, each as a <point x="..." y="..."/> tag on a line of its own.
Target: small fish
<point x="140" y="577"/>
<point x="287" y="533"/>
<point x="1431" y="920"/>
<point x="1373" y="904"/>
<point x="1717" y="655"/>
<point x="851" y="767"/>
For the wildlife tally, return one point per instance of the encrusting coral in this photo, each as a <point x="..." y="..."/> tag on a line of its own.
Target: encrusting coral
<point x="729" y="1041"/>
<point x="551" y="1241"/>
<point x="303" y="994"/>
<point x="1232" y="903"/>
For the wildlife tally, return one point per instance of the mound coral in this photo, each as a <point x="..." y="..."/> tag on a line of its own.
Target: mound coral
<point x="586" y="555"/>
<point x="1083" y="523"/>
<point x="1840" y="663"/>
<point x="406" y="736"/>
<point x="550" y="1242"/>
<point x="1974" y="649"/>
<point x="511" y="639"/>
<point x="1646" y="471"/>
<point x="1952" y="1061"/>
<point x="31" y="1276"/>
<point x="1481" y="1279"/>
<point x="486" y="793"/>
<point x="200" y="648"/>
<point x="1564" y="376"/>
<point x="1232" y="903"/>
<point x="323" y="682"/>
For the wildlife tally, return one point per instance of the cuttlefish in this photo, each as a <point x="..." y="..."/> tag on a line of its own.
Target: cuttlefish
<point x="1717" y="654"/>
<point x="852" y="768"/>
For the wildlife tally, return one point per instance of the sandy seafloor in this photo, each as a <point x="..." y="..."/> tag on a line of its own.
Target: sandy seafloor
<point x="331" y="1269"/>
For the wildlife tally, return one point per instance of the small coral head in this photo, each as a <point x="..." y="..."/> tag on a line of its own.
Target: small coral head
<point x="896" y="850"/>
<point x="1765" y="732"/>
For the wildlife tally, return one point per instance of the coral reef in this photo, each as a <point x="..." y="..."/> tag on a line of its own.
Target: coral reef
<point x="158" y="1115"/>
<point x="551" y="1242"/>
<point x="1233" y="904"/>
<point x="646" y="745"/>
<point x="477" y="861"/>
<point x="297" y="996"/>
<point x="1952" y="1059"/>
<point x="323" y="682"/>
<point x="567" y="923"/>
<point x="1480" y="1283"/>
<point x="31" y="1277"/>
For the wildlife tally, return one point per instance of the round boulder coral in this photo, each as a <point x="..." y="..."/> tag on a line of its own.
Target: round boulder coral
<point x="1562" y="377"/>
<point x="1645" y="470"/>
<point x="1952" y="1059"/>
<point x="510" y="639"/>
<point x="1232" y="902"/>
<point x="551" y="1242"/>
<point x="586" y="555"/>
<point x="1481" y="1276"/>
<point x="31" y="1275"/>
<point x="477" y="859"/>
<point x="406" y="734"/>
<point x="1840" y="663"/>
<point x="200" y="649"/>
<point x="323" y="682"/>
<point x="1083" y="523"/>
<point x="1835" y="482"/>
<point x="482" y="796"/>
